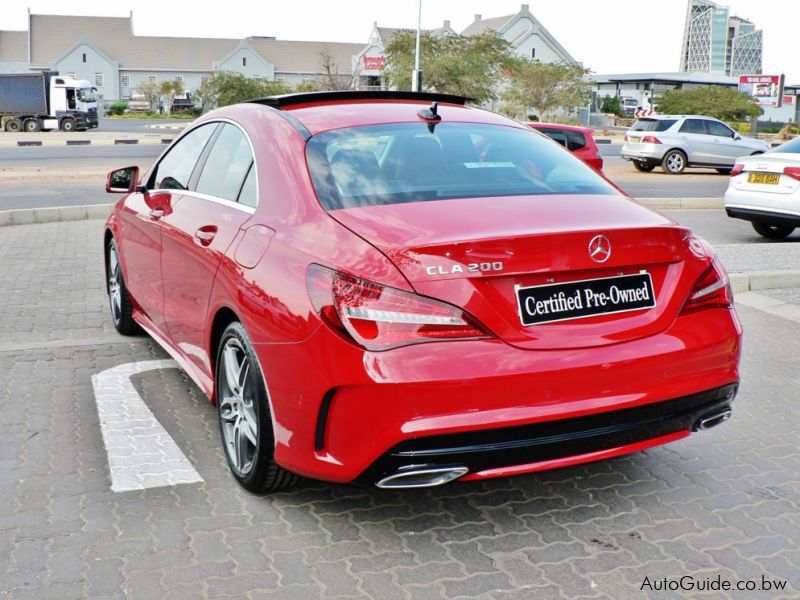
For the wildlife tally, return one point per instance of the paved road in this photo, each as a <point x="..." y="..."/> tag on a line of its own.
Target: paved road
<point x="723" y="503"/>
<point x="79" y="156"/>
<point x="142" y="125"/>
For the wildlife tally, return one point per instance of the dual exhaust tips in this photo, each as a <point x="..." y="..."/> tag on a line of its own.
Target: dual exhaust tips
<point x="422" y="476"/>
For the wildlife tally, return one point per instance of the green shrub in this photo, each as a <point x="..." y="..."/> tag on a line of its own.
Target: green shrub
<point x="117" y="108"/>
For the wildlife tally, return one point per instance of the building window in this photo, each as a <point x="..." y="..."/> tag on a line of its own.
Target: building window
<point x="98" y="79"/>
<point x="244" y="61"/>
<point x="152" y="78"/>
<point x="533" y="52"/>
<point x="84" y="57"/>
<point x="179" y="78"/>
<point x="125" y="80"/>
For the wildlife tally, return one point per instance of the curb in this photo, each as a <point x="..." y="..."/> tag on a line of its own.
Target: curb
<point x="666" y="203"/>
<point x="29" y="216"/>
<point x="764" y="280"/>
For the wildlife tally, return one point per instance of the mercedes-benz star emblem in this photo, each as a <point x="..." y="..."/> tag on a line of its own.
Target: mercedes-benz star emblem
<point x="600" y="249"/>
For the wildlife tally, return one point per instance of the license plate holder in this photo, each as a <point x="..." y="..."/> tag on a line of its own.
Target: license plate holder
<point x="586" y="298"/>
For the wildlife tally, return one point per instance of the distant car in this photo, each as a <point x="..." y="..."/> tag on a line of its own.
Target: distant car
<point x="578" y="140"/>
<point x="679" y="141"/>
<point x="401" y="290"/>
<point x="765" y="190"/>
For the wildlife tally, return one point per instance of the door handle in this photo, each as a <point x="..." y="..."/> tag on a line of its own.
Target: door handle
<point x="205" y="235"/>
<point x="156" y="214"/>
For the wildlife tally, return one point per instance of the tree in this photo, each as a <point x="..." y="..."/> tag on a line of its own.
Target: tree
<point x="720" y="102"/>
<point x="611" y="105"/>
<point x="545" y="87"/>
<point x="225" y="87"/>
<point x="169" y="89"/>
<point x="151" y="92"/>
<point x="469" y="66"/>
<point x="331" y="79"/>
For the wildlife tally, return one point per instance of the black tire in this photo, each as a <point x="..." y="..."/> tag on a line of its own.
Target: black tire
<point x="674" y="162"/>
<point x="13" y="125"/>
<point x="724" y="171"/>
<point x="773" y="232"/>
<point x="119" y="300"/>
<point x="68" y="124"/>
<point x="32" y="125"/>
<point x="242" y="403"/>
<point x="644" y="167"/>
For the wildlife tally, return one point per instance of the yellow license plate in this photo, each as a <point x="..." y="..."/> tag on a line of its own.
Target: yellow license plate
<point x="768" y="178"/>
<point x="636" y="140"/>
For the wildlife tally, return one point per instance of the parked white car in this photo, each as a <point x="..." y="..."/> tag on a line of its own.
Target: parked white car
<point x="679" y="141"/>
<point x="765" y="190"/>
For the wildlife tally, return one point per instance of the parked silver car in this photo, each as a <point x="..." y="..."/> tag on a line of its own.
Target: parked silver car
<point x="679" y="141"/>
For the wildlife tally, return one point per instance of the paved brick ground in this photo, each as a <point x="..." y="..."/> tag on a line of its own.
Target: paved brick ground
<point x="725" y="503"/>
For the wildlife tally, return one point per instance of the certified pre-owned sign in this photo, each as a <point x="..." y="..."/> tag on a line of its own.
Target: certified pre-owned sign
<point x="587" y="298"/>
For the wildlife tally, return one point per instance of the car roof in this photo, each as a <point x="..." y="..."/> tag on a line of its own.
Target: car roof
<point x="317" y="112"/>
<point x="536" y="125"/>
<point x="662" y="117"/>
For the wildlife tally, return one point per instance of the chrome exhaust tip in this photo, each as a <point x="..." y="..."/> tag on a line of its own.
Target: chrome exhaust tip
<point x="713" y="420"/>
<point x="421" y="477"/>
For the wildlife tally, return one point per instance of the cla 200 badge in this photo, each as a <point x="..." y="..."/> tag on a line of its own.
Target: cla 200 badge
<point x="483" y="267"/>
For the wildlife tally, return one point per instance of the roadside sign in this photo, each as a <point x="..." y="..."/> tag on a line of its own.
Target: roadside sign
<point x="766" y="89"/>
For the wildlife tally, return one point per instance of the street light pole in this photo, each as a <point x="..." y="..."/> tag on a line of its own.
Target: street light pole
<point x="416" y="76"/>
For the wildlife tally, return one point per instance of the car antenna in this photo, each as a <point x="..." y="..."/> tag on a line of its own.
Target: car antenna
<point x="431" y="115"/>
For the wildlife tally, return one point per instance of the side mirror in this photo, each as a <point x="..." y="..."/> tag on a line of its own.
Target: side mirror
<point x="737" y="137"/>
<point x="123" y="181"/>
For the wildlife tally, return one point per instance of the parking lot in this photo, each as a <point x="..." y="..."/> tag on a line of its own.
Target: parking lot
<point x="721" y="506"/>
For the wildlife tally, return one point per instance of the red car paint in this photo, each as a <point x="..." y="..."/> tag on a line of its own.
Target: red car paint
<point x="588" y="152"/>
<point x="191" y="261"/>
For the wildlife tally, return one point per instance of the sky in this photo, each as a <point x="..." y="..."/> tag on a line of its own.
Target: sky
<point x="639" y="36"/>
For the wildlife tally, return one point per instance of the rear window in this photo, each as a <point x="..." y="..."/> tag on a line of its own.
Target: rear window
<point x="406" y="162"/>
<point x="653" y="124"/>
<point x="792" y="147"/>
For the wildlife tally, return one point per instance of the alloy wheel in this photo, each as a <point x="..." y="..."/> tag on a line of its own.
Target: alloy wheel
<point x="114" y="288"/>
<point x="237" y="407"/>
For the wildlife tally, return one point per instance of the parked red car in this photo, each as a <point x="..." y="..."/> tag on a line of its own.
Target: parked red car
<point x="578" y="140"/>
<point x="401" y="290"/>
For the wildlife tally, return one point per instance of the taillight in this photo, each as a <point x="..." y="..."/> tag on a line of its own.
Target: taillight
<point x="737" y="169"/>
<point x="793" y="172"/>
<point x="378" y="317"/>
<point x="712" y="290"/>
<point x="626" y="138"/>
<point x="651" y="139"/>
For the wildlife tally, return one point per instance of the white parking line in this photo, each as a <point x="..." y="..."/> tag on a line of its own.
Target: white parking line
<point x="141" y="454"/>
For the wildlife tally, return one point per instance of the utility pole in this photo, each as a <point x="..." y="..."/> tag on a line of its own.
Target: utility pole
<point x="416" y="75"/>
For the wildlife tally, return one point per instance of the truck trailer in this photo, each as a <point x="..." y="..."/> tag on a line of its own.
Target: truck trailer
<point x="46" y="100"/>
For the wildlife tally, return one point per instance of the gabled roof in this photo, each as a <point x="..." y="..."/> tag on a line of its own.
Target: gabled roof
<point x="291" y="56"/>
<point x="484" y="25"/>
<point x="14" y="46"/>
<point x="53" y="35"/>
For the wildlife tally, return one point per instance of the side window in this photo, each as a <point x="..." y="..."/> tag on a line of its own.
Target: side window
<point x="693" y="126"/>
<point x="576" y="140"/>
<point x="175" y="169"/>
<point x="556" y="135"/>
<point x="249" y="194"/>
<point x="227" y="164"/>
<point x="719" y="129"/>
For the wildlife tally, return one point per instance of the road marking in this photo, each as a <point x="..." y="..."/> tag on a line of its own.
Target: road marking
<point x="141" y="454"/>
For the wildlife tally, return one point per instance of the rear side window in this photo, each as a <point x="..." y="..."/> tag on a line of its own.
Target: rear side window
<point x="175" y="169"/>
<point x="694" y="126"/>
<point x="556" y="135"/>
<point x="653" y="124"/>
<point x="792" y="147"/>
<point x="227" y="165"/>
<point x="575" y="140"/>
<point x="406" y="162"/>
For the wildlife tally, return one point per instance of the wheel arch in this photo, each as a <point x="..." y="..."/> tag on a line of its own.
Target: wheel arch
<point x="223" y="317"/>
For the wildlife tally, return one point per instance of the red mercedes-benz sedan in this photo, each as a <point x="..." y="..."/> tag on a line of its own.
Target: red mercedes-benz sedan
<point x="402" y="290"/>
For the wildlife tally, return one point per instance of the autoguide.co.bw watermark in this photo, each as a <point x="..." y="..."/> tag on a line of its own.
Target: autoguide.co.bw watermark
<point x="689" y="583"/>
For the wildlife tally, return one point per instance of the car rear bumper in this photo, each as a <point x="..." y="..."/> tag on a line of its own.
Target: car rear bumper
<point x="763" y="207"/>
<point x="347" y="419"/>
<point x="646" y="152"/>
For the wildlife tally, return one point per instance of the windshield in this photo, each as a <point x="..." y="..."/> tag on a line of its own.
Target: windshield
<point x="653" y="124"/>
<point x="87" y="95"/>
<point x="406" y="162"/>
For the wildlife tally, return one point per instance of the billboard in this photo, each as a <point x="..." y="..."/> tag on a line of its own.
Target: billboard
<point x="766" y="89"/>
